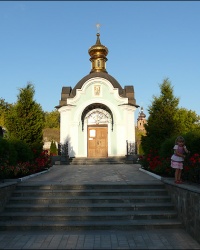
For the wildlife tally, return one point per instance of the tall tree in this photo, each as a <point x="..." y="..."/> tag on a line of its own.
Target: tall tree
<point x="4" y="109"/>
<point x="25" y="121"/>
<point x="52" y="119"/>
<point x="187" y="120"/>
<point x="162" y="122"/>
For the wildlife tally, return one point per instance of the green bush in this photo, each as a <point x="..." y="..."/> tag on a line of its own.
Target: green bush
<point x="24" y="152"/>
<point x="53" y="148"/>
<point x="192" y="141"/>
<point x="37" y="149"/>
<point x="167" y="146"/>
<point x="22" y="169"/>
<point x="8" y="154"/>
<point x="159" y="162"/>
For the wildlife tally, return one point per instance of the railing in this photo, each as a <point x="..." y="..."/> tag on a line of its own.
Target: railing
<point x="131" y="148"/>
<point x="63" y="149"/>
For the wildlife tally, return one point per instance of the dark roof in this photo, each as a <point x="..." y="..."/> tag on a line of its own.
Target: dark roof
<point x="127" y="91"/>
<point x="98" y="74"/>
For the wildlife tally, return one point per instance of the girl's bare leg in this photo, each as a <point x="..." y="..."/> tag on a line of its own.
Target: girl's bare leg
<point x="176" y="174"/>
<point x="179" y="174"/>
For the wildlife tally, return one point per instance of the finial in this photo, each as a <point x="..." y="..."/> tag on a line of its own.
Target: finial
<point x="98" y="25"/>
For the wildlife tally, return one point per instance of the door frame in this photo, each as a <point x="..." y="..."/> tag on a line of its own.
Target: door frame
<point x="97" y="126"/>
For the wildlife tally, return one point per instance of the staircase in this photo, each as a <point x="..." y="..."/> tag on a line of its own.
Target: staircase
<point x="95" y="161"/>
<point x="89" y="207"/>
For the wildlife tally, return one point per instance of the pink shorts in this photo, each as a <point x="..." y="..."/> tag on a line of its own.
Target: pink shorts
<point x="177" y="164"/>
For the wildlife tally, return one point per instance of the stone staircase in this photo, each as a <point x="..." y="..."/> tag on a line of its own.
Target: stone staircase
<point x="59" y="160"/>
<point x="96" y="161"/>
<point x="89" y="207"/>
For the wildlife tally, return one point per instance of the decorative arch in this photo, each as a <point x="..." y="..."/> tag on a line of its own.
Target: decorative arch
<point x="96" y="108"/>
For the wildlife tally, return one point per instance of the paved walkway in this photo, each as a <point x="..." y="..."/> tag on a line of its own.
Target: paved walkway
<point x="136" y="239"/>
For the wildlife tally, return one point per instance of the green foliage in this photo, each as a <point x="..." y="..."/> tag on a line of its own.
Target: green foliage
<point x="161" y="123"/>
<point x="1" y="131"/>
<point x="53" y="148"/>
<point x="52" y="119"/>
<point x="141" y="152"/>
<point x="159" y="162"/>
<point x="8" y="154"/>
<point x="25" y="120"/>
<point x="186" y="120"/>
<point x="166" y="120"/>
<point x="14" y="151"/>
<point x="138" y="136"/>
<point x="166" y="149"/>
<point x="4" y="109"/>
<point x="42" y="162"/>
<point x="191" y="170"/>
<point x="153" y="162"/>
<point x="37" y="148"/>
<point x="192" y="140"/>
<point x="24" y="152"/>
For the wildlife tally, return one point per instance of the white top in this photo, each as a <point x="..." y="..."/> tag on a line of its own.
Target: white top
<point x="181" y="150"/>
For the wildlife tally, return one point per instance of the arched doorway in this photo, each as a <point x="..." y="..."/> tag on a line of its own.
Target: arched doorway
<point x="97" y="117"/>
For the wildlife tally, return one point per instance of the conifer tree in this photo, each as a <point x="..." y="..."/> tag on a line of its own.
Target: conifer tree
<point x="4" y="109"/>
<point x="162" y="122"/>
<point x="53" y="148"/>
<point x="25" y="120"/>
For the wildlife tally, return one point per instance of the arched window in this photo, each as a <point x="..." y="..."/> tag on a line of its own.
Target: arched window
<point x="98" y="116"/>
<point x="97" y="113"/>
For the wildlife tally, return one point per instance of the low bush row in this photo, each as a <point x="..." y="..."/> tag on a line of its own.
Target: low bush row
<point x="17" y="159"/>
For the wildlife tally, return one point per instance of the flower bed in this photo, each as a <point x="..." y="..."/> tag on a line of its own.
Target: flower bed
<point x="162" y="166"/>
<point x="41" y="163"/>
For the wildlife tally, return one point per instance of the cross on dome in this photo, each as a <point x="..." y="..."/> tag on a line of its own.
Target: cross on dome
<point x="98" y="25"/>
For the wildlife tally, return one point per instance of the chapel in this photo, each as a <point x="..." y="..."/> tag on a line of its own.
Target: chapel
<point x="97" y="116"/>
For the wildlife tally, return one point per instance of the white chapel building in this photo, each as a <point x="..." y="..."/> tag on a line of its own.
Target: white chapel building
<point x="97" y="115"/>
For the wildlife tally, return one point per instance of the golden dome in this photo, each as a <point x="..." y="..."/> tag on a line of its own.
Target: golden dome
<point x="98" y="53"/>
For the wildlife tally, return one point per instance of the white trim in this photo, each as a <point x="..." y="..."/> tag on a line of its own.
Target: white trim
<point x="98" y="81"/>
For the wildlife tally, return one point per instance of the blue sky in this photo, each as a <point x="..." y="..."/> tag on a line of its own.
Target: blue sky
<point x="47" y="42"/>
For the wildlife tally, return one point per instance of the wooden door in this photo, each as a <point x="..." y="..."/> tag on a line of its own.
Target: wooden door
<point x="97" y="141"/>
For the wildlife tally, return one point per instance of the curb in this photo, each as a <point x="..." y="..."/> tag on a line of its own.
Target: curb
<point x="152" y="174"/>
<point x="26" y="177"/>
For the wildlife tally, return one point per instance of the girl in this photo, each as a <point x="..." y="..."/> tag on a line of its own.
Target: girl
<point x="178" y="158"/>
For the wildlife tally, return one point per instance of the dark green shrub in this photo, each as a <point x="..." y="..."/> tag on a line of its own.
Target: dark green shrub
<point x="192" y="141"/>
<point x="8" y="154"/>
<point x="140" y="150"/>
<point x="37" y="149"/>
<point x="24" y="152"/>
<point x="160" y="162"/>
<point x="167" y="146"/>
<point x="53" y="148"/>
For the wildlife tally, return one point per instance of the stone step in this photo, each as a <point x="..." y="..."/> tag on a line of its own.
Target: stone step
<point x="96" y="161"/>
<point x="92" y="207"/>
<point x="64" y="207"/>
<point x="100" y="187"/>
<point x="91" y="225"/>
<point x="87" y="215"/>
<point x="89" y="200"/>
<point x="92" y="193"/>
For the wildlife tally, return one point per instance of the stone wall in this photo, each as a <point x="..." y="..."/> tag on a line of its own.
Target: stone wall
<point x="6" y="190"/>
<point x="186" y="199"/>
